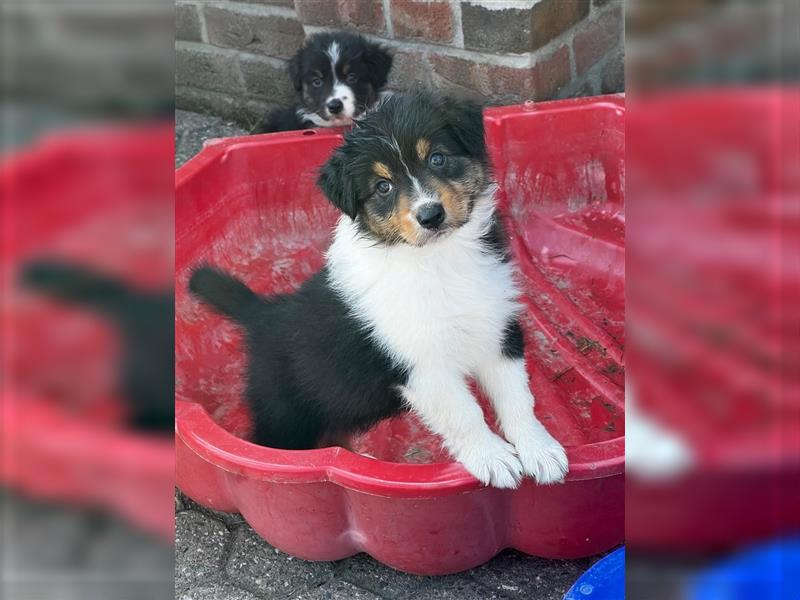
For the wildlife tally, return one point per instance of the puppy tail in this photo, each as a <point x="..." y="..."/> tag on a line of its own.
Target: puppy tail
<point x="224" y="293"/>
<point x="76" y="284"/>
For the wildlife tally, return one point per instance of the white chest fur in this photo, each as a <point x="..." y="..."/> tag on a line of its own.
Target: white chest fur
<point x="447" y="302"/>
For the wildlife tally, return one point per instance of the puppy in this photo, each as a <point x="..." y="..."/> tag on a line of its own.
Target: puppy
<point x="145" y="321"/>
<point x="339" y="76"/>
<point x="417" y="295"/>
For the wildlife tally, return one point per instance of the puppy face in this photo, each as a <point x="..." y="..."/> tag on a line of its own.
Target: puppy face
<point x="339" y="76"/>
<point x="412" y="171"/>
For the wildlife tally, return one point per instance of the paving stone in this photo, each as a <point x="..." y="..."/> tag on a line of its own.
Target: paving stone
<point x="216" y="591"/>
<point x="231" y="520"/>
<point x="71" y="587"/>
<point x="200" y="549"/>
<point x="45" y="537"/>
<point x="262" y="569"/>
<point x="116" y="549"/>
<point x="458" y="587"/>
<point x="367" y="573"/>
<point x="77" y="554"/>
<point x="516" y="575"/>
<point x="192" y="129"/>
<point x="614" y="75"/>
<point x="336" y="590"/>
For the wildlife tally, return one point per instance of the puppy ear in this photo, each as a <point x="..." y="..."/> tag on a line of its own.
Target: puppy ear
<point x="379" y="62"/>
<point x="338" y="186"/>
<point x="295" y="72"/>
<point x="465" y="119"/>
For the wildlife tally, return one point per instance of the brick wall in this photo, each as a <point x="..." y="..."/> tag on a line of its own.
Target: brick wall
<point x="231" y="56"/>
<point x="107" y="58"/>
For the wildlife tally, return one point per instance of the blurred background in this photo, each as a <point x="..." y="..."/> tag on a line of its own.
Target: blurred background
<point x="86" y="467"/>
<point x="713" y="420"/>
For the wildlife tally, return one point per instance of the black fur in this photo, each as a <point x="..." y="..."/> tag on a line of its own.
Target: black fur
<point x="313" y="370"/>
<point x="514" y="342"/>
<point x="283" y="119"/>
<point x="367" y="61"/>
<point x="145" y="321"/>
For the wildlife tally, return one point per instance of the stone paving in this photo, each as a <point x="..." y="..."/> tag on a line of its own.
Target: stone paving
<point x="219" y="557"/>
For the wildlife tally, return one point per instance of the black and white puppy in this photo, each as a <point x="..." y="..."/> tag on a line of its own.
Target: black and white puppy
<point x="417" y="296"/>
<point x="339" y="76"/>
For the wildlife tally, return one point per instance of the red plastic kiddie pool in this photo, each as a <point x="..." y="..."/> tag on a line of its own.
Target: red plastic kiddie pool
<point x="99" y="197"/>
<point x="250" y="206"/>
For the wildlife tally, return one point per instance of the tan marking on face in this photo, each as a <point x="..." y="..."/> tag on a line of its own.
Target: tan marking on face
<point x="381" y="170"/>
<point x="400" y="225"/>
<point x="455" y="202"/>
<point x="423" y="147"/>
<point x="346" y="69"/>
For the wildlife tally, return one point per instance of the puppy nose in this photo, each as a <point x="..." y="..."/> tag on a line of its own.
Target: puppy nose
<point x="335" y="106"/>
<point x="431" y="215"/>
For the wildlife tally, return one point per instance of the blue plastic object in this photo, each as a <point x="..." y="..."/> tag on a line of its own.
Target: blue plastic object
<point x="765" y="572"/>
<point x="604" y="580"/>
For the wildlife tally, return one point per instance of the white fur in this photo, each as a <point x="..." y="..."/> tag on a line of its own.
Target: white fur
<point x="333" y="54"/>
<point x="345" y="94"/>
<point x="340" y="91"/>
<point x="441" y="310"/>
<point x="652" y="451"/>
<point x="315" y="118"/>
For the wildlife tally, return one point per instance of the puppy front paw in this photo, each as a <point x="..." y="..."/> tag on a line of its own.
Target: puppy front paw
<point x="542" y="457"/>
<point x="494" y="462"/>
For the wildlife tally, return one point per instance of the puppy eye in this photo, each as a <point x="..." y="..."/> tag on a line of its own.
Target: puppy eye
<point x="383" y="186"/>
<point x="437" y="159"/>
<point x="351" y="78"/>
<point x="316" y="82"/>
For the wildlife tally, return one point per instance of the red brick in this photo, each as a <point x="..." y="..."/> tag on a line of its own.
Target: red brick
<point x="455" y="74"/>
<point x="210" y="70"/>
<point x="266" y="79"/>
<point x="323" y="13"/>
<point x="419" y="19"/>
<point x="504" y="84"/>
<point x="364" y="15"/>
<point x="551" y="18"/>
<point x="410" y="69"/>
<point x="507" y="85"/>
<point x="551" y="74"/>
<point x="271" y="35"/>
<point x="496" y="30"/>
<point x="540" y="82"/>
<point x="597" y="39"/>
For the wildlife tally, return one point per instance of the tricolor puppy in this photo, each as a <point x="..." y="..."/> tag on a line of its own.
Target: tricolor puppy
<point x="339" y="76"/>
<point x="417" y="296"/>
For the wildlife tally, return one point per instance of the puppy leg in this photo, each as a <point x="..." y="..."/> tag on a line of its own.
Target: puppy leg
<point x="505" y="381"/>
<point x="447" y="407"/>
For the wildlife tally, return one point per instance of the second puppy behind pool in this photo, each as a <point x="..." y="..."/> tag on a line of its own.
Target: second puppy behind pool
<point x="339" y="76"/>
